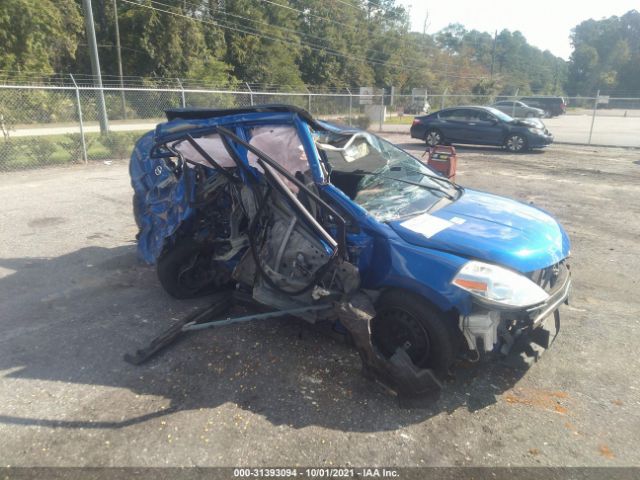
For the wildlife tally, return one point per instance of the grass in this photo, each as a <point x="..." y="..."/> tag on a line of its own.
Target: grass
<point x="397" y="120"/>
<point x="30" y="152"/>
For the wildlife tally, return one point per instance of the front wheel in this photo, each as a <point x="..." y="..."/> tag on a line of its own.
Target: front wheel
<point x="433" y="137"/>
<point x="515" y="143"/>
<point x="405" y="320"/>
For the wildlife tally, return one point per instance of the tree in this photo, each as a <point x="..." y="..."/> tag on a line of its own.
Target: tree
<point x="38" y="36"/>
<point x="606" y="56"/>
<point x="517" y="66"/>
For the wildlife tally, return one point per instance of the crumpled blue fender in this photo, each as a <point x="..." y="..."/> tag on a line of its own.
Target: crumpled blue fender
<point x="161" y="199"/>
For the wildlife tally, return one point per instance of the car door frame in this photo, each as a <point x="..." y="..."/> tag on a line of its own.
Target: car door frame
<point x="482" y="132"/>
<point x="454" y="130"/>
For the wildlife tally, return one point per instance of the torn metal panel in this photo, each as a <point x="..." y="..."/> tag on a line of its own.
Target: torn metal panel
<point x="398" y="372"/>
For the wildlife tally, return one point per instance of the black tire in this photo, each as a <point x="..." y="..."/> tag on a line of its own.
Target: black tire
<point x="515" y="143"/>
<point x="186" y="271"/>
<point x="433" y="137"/>
<point x="137" y="209"/>
<point x="404" y="319"/>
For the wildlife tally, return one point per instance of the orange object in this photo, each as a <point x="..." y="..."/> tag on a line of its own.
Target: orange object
<point x="443" y="159"/>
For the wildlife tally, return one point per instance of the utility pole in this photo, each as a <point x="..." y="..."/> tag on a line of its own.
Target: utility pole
<point x="493" y="52"/>
<point x="119" y="53"/>
<point x="425" y="24"/>
<point x="95" y="64"/>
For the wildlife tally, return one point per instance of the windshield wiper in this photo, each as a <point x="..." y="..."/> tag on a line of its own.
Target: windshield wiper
<point x="410" y="182"/>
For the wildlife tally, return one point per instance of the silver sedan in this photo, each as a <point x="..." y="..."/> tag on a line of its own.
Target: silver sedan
<point x="518" y="109"/>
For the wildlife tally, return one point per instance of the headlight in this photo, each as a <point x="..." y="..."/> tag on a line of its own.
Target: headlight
<point x="537" y="131"/>
<point x="495" y="284"/>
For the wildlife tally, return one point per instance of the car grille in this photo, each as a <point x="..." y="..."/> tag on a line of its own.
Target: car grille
<point x="550" y="279"/>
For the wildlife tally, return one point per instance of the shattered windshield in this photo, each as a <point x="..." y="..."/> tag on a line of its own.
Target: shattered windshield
<point x="383" y="179"/>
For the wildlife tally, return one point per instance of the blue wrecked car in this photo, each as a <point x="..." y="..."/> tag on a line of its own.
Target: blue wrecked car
<point x="271" y="208"/>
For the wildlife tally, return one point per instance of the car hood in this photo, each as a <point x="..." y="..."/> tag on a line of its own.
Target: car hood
<point x="490" y="228"/>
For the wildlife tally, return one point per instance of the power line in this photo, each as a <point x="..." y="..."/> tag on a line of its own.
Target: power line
<point x="360" y="6"/>
<point x="226" y="13"/>
<point x="301" y="33"/>
<point x="297" y="32"/>
<point x="308" y="14"/>
<point x="256" y="33"/>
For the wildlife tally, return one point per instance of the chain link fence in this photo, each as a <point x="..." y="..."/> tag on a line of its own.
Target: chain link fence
<point x="57" y="125"/>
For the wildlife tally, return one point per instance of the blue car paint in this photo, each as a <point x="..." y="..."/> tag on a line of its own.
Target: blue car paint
<point x="504" y="231"/>
<point x="495" y="229"/>
<point x="163" y="201"/>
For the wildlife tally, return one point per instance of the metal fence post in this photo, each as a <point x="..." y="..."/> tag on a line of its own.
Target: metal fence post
<point x="381" y="109"/>
<point x="184" y="99"/>
<point x="350" y="105"/>
<point x="309" y="109"/>
<point x="82" y="140"/>
<point x="513" y="106"/>
<point x="444" y="94"/>
<point x="593" y="117"/>
<point x="250" y="93"/>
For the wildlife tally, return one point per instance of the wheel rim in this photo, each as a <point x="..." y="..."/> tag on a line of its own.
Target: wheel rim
<point x="515" y="143"/>
<point x="433" y="138"/>
<point x="393" y="328"/>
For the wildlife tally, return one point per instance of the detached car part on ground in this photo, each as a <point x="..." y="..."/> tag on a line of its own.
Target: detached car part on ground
<point x="290" y="215"/>
<point x="480" y="126"/>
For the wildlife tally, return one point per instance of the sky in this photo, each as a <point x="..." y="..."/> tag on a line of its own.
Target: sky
<point x="545" y="24"/>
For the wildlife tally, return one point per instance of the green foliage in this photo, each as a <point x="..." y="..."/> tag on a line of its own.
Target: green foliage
<point x="40" y="36"/>
<point x="41" y="150"/>
<point x="19" y="153"/>
<point x="19" y="106"/>
<point x="119" y="144"/>
<point x="516" y="64"/>
<point x="606" y="56"/>
<point x="22" y="153"/>
<point x="296" y="42"/>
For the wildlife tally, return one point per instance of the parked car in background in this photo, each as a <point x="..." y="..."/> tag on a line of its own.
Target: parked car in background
<point x="416" y="108"/>
<point x="552" y="106"/>
<point x="518" y="109"/>
<point x="480" y="126"/>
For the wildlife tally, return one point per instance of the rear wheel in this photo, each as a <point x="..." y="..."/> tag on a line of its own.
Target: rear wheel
<point x="187" y="271"/>
<point x="137" y="210"/>
<point x="433" y="137"/>
<point x="515" y="143"/>
<point x="405" y="320"/>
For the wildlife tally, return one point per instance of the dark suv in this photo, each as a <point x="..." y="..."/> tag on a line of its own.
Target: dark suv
<point x="552" y="106"/>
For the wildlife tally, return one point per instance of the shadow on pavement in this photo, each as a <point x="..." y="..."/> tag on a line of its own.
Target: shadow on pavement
<point x="70" y="319"/>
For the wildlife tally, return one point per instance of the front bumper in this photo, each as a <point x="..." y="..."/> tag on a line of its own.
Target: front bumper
<point x="539" y="141"/>
<point x="506" y="331"/>
<point x="538" y="314"/>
